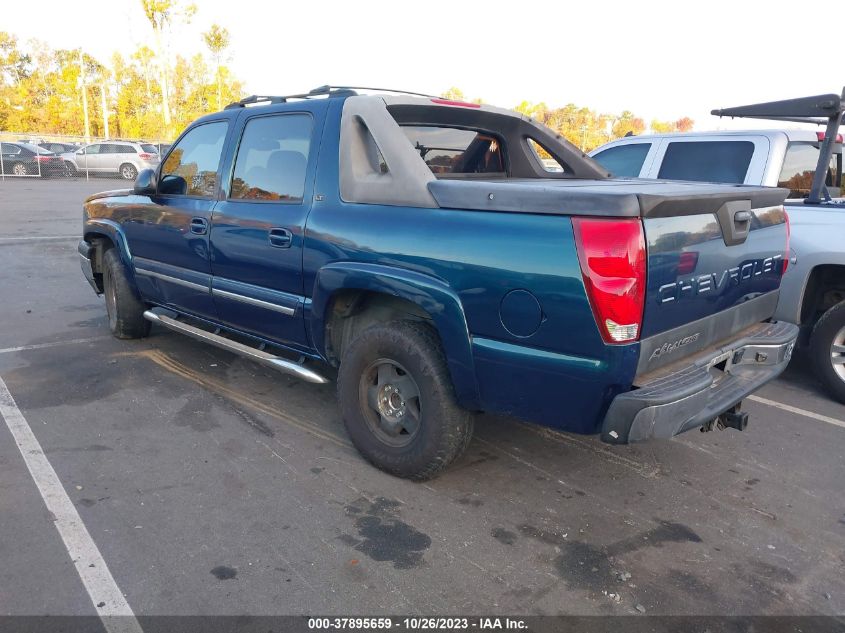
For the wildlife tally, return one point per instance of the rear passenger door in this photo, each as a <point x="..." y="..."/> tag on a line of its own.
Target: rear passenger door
<point x="91" y="158"/>
<point x="121" y="154"/>
<point x="257" y="228"/>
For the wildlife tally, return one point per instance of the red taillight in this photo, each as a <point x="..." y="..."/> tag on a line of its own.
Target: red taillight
<point x="613" y="264"/>
<point x="43" y="159"/>
<point x="687" y="262"/>
<point x="450" y="102"/>
<point x="145" y="155"/>
<point x="820" y="136"/>
<point x="786" y="252"/>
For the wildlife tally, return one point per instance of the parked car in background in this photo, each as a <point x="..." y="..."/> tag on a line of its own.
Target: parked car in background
<point x="23" y="159"/>
<point x="162" y="148"/>
<point x="813" y="290"/>
<point x="59" y="148"/>
<point x="123" y="158"/>
<point x="773" y="158"/>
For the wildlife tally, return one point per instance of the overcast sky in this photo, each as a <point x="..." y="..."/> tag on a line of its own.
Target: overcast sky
<point x="658" y="59"/>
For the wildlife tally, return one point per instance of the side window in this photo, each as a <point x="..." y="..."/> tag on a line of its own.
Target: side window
<point x="93" y="149"/>
<point x="799" y="168"/>
<point x="272" y="158"/>
<point x="625" y="161"/>
<point x="548" y="162"/>
<point x="707" y="161"/>
<point x="191" y="168"/>
<point x="123" y="149"/>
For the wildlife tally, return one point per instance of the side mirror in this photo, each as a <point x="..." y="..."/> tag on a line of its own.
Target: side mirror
<point x="145" y="183"/>
<point x="173" y="184"/>
<point x="80" y="151"/>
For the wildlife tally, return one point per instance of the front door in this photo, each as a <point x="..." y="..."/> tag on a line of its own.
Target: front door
<point x="257" y="230"/>
<point x="168" y="233"/>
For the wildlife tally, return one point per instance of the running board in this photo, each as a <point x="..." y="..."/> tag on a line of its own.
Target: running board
<point x="259" y="356"/>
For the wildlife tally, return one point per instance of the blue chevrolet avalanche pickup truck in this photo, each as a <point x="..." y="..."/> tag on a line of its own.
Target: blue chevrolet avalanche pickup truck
<point x="423" y="252"/>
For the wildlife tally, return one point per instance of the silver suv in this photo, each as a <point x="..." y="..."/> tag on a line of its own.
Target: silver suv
<point x="112" y="157"/>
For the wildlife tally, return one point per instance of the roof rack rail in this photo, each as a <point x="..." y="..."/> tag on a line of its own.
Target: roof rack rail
<point x="254" y="99"/>
<point x="827" y="110"/>
<point x="320" y="91"/>
<point x="327" y="88"/>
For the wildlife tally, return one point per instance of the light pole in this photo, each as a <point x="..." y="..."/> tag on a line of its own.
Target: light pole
<point x="84" y="97"/>
<point x="105" y="110"/>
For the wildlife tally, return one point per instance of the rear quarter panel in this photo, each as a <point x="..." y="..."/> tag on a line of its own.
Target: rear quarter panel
<point x="560" y="373"/>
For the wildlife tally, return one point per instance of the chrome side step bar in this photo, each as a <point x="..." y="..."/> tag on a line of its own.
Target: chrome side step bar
<point x="259" y="356"/>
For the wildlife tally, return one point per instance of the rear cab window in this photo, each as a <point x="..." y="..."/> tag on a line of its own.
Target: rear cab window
<point x="799" y="167"/>
<point x="625" y="161"/>
<point x="707" y="161"/>
<point x="452" y="150"/>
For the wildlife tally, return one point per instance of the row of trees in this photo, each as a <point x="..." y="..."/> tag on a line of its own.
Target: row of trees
<point x="150" y="94"/>
<point x="584" y="127"/>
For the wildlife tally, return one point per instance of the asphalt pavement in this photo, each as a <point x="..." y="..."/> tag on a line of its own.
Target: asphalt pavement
<point x="210" y="485"/>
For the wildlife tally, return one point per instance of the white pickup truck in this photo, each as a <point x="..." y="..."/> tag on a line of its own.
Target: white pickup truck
<point x="812" y="293"/>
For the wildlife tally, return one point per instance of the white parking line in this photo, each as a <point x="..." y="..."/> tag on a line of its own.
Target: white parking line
<point x="797" y="411"/>
<point x="38" y="238"/>
<point x="89" y="563"/>
<point x="73" y="341"/>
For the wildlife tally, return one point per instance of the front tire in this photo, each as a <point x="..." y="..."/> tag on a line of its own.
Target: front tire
<point x="19" y="169"/>
<point x="124" y="308"/>
<point x="128" y="171"/>
<point x="827" y="348"/>
<point x="398" y="403"/>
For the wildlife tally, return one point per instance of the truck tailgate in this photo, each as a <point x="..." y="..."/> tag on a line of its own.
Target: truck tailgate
<point x="710" y="275"/>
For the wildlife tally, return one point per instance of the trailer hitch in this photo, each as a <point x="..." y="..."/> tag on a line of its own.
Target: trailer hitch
<point x="733" y="418"/>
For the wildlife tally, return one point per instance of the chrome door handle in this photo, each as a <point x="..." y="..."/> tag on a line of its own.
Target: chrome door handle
<point x="199" y="226"/>
<point x="280" y="238"/>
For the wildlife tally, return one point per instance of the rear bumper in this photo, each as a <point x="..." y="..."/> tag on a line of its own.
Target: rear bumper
<point x="84" y="250"/>
<point x="685" y="397"/>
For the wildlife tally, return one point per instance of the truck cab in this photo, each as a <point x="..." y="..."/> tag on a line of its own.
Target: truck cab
<point x="772" y="158"/>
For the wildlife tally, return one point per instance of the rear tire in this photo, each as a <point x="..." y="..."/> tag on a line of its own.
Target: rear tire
<point x="827" y="348"/>
<point x="124" y="308"/>
<point x="19" y="169"/>
<point x="398" y="403"/>
<point x="128" y="171"/>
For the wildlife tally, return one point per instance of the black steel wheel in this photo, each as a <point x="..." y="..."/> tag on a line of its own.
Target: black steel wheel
<point x="124" y="308"/>
<point x="390" y="399"/>
<point x="397" y="400"/>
